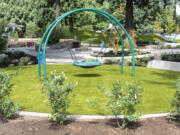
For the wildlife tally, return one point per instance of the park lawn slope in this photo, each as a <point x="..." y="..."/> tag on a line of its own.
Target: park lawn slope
<point x="158" y="87"/>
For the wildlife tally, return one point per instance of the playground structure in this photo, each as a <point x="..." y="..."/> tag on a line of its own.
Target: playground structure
<point x="109" y="17"/>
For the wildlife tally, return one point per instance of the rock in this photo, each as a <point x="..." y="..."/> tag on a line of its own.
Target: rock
<point x="3" y="56"/>
<point x="153" y="47"/>
<point x="25" y="59"/>
<point x="15" y="61"/>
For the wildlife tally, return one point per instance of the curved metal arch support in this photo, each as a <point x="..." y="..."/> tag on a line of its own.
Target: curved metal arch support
<point x="50" y="29"/>
<point x="114" y="24"/>
<point x="121" y="38"/>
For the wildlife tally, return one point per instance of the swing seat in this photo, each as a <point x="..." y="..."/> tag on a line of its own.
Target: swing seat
<point x="87" y="64"/>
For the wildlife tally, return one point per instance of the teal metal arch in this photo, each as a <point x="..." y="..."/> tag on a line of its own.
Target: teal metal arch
<point x="109" y="17"/>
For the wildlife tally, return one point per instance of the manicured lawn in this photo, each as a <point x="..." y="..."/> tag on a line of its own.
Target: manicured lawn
<point x="148" y="38"/>
<point x="158" y="87"/>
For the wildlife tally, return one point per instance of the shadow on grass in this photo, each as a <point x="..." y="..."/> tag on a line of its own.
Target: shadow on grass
<point x="167" y="75"/>
<point x="169" y="84"/>
<point x="87" y="75"/>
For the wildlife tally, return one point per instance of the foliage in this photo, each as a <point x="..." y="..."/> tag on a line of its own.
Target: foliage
<point x="8" y="108"/>
<point x="32" y="29"/>
<point x="143" y="61"/>
<point x="22" y="12"/>
<point x="170" y="24"/>
<point x="171" y="57"/>
<point x="17" y="58"/>
<point x="176" y="101"/>
<point x="157" y="26"/>
<point x="3" y="36"/>
<point x="148" y="38"/>
<point x="58" y="95"/>
<point x="124" y="100"/>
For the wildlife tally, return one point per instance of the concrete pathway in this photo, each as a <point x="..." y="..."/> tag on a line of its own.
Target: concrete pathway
<point x="166" y="65"/>
<point x="62" y="56"/>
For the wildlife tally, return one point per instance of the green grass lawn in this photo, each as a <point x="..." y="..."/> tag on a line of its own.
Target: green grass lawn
<point x="149" y="38"/>
<point x="158" y="87"/>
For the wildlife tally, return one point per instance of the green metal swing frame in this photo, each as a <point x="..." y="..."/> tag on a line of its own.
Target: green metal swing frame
<point x="108" y="16"/>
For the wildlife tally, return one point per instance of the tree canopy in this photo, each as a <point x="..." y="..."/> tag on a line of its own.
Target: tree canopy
<point x="140" y="15"/>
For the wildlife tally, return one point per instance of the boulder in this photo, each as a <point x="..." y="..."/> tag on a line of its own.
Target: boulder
<point x="15" y="61"/>
<point x="2" y="56"/>
<point x="25" y="59"/>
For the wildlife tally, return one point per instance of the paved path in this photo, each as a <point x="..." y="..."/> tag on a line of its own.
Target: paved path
<point x="62" y="56"/>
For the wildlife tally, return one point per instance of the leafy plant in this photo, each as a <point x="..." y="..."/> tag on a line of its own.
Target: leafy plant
<point x="123" y="101"/>
<point x="32" y="29"/>
<point x="176" y="101"/>
<point x="3" y="36"/>
<point x="8" y="108"/>
<point x="58" y="94"/>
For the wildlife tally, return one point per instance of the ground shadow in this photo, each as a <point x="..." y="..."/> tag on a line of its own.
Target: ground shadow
<point x="56" y="126"/>
<point x="175" y="121"/>
<point x="168" y="75"/>
<point x="168" y="84"/>
<point x="87" y="75"/>
<point x="131" y="125"/>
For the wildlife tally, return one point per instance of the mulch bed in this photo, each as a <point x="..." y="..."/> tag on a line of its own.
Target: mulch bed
<point x="41" y="126"/>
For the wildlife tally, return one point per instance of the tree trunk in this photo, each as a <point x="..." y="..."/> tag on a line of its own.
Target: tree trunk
<point x="129" y="15"/>
<point x="57" y="8"/>
<point x="174" y="14"/>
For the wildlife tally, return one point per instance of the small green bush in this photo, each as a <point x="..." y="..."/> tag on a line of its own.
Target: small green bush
<point x="175" y="114"/>
<point x="123" y="101"/>
<point x="8" y="108"/>
<point x="107" y="61"/>
<point x="58" y="95"/>
<point x="3" y="36"/>
<point x="11" y="65"/>
<point x="21" y="64"/>
<point x="32" y="29"/>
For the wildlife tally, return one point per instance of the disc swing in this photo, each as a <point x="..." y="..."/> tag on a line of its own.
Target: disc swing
<point x="86" y="64"/>
<point x="83" y="64"/>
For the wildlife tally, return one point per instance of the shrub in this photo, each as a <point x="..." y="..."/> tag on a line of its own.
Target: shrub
<point x="123" y="101"/>
<point x="107" y="61"/>
<point x="58" y="95"/>
<point x="21" y="64"/>
<point x="11" y="65"/>
<point x="3" y="36"/>
<point x="8" y="108"/>
<point x="32" y="29"/>
<point x="176" y="101"/>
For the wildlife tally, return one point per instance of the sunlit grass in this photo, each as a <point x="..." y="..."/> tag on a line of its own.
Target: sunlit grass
<point x="158" y="87"/>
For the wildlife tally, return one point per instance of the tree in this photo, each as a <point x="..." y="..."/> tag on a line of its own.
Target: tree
<point x="129" y="15"/>
<point x="21" y="12"/>
<point x="57" y="8"/>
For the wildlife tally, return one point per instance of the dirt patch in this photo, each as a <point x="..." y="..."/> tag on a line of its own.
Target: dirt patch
<point x="41" y="126"/>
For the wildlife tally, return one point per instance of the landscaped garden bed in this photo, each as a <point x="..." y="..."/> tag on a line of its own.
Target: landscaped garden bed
<point x="171" y="57"/>
<point x="16" y="58"/>
<point x="41" y="126"/>
<point x="114" y="53"/>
